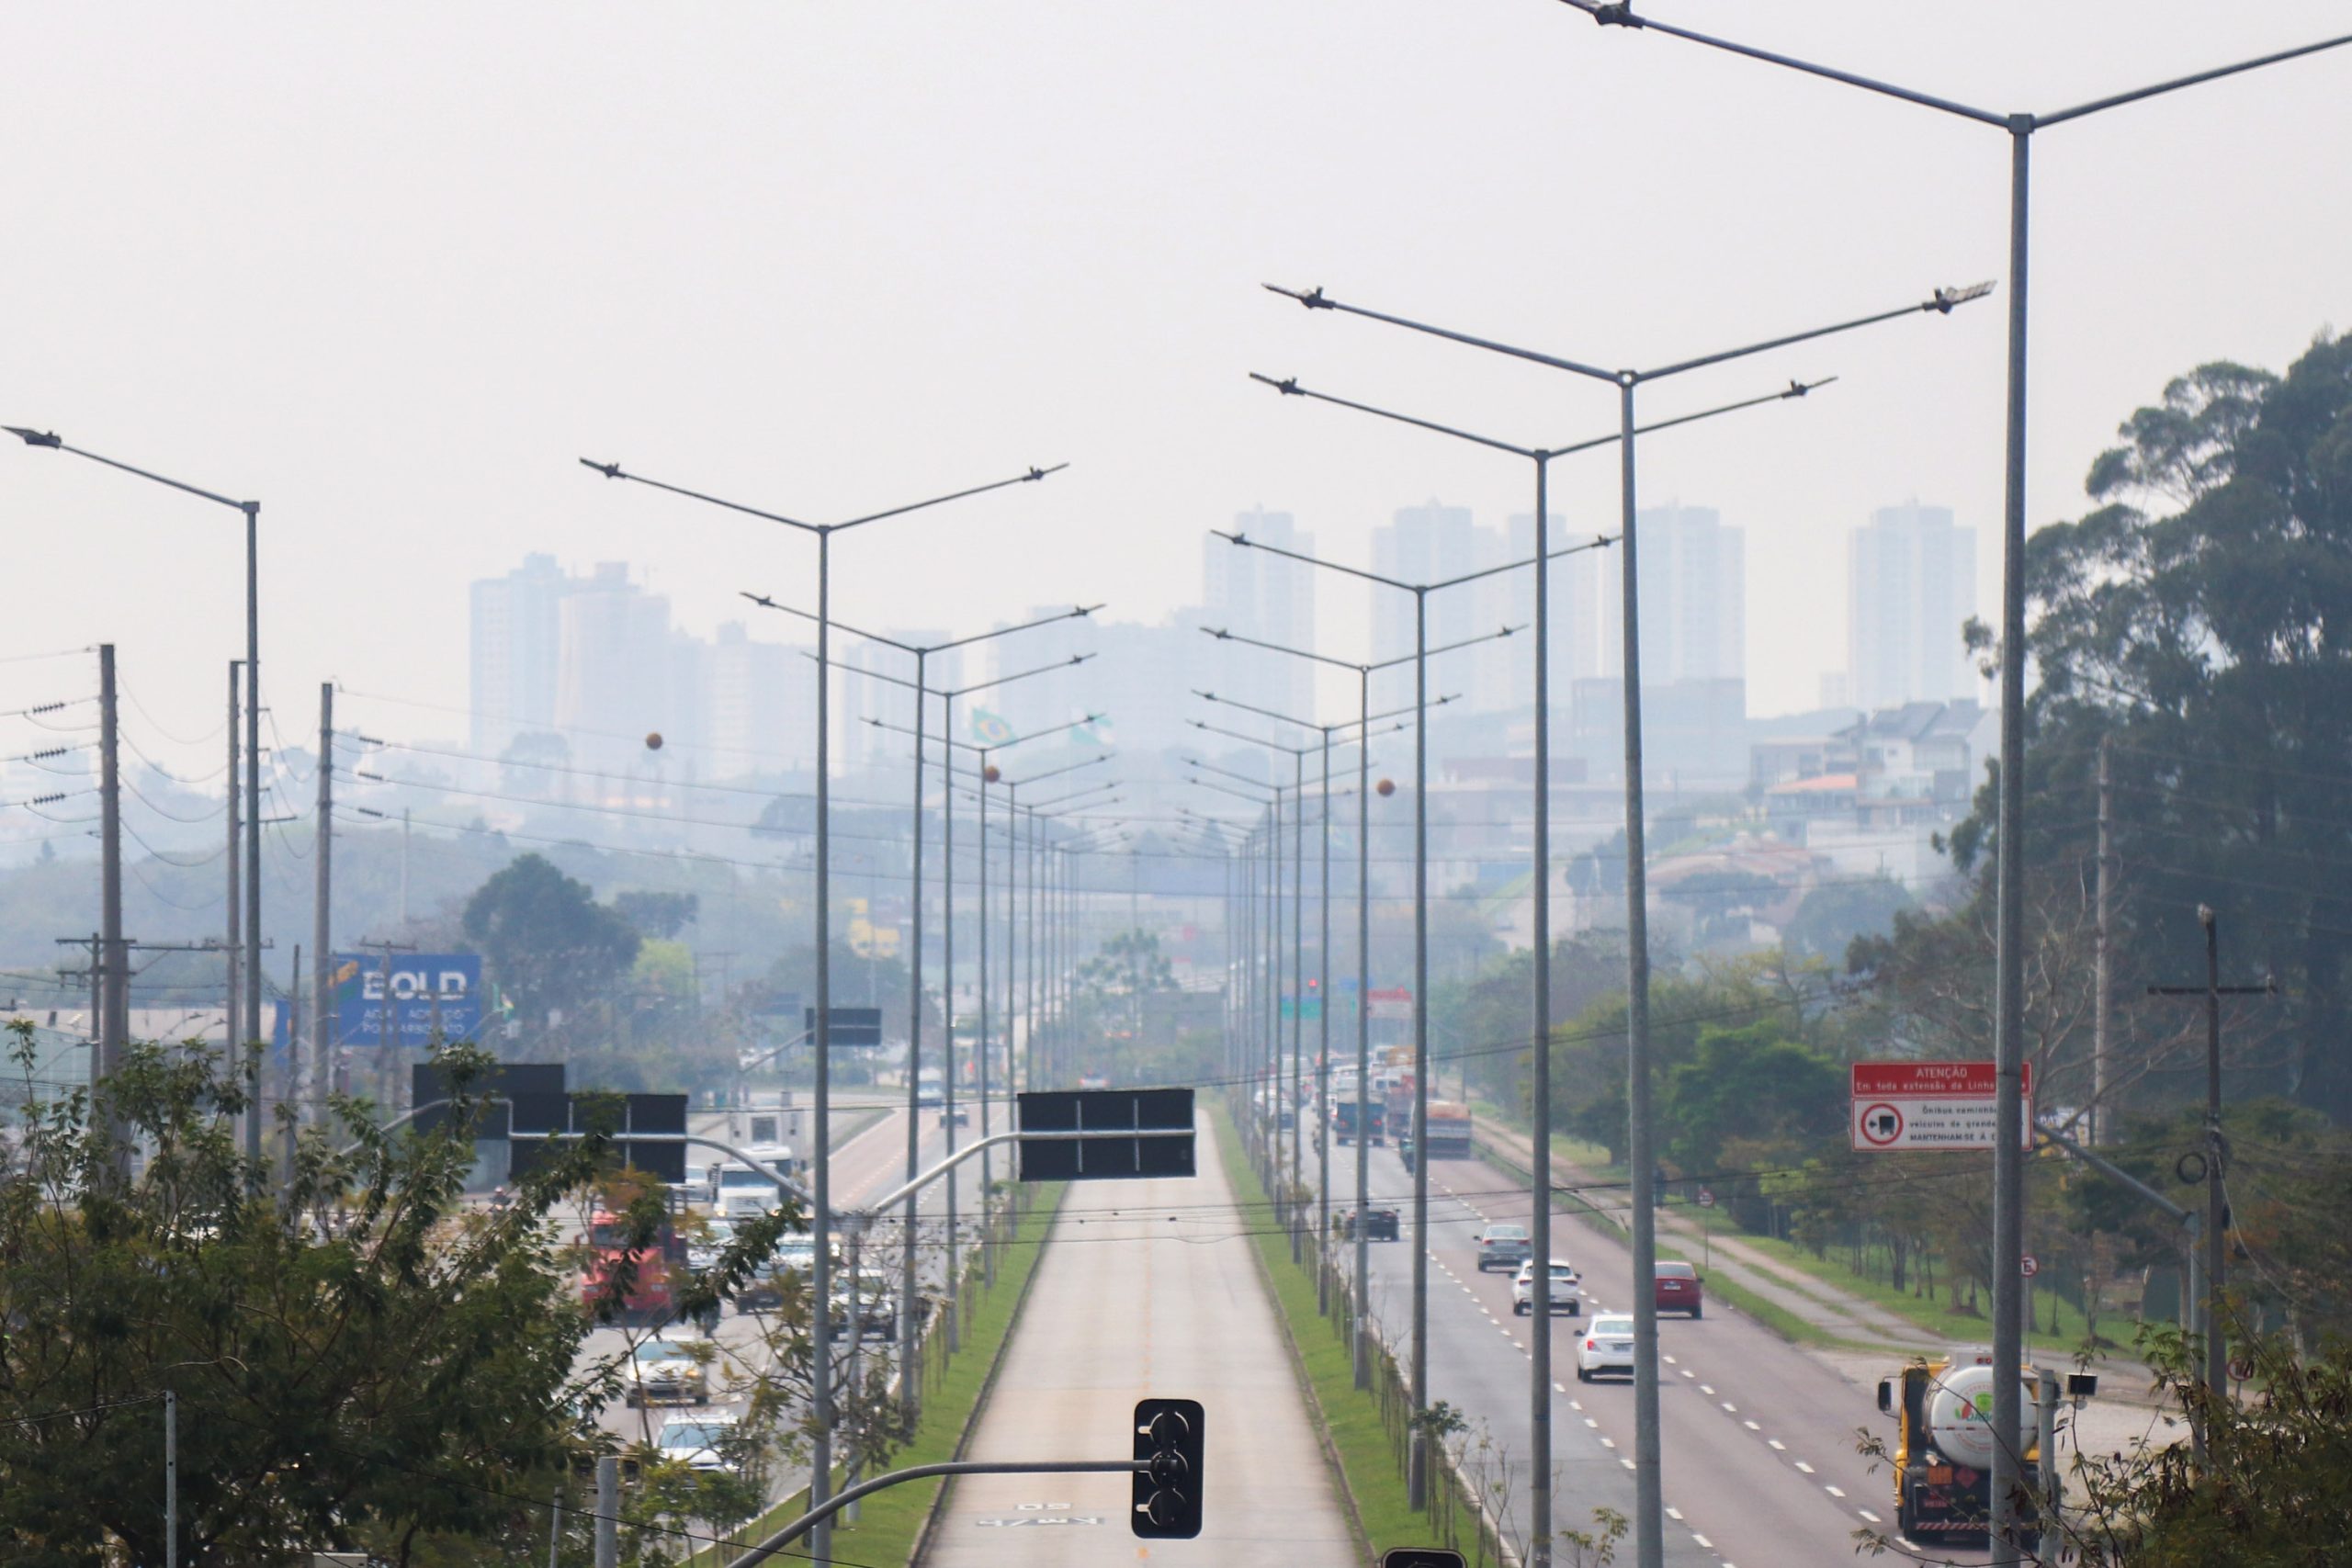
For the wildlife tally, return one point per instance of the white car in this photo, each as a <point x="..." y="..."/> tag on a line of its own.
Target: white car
<point x="697" y="1441"/>
<point x="1564" y="1289"/>
<point x="1607" y="1346"/>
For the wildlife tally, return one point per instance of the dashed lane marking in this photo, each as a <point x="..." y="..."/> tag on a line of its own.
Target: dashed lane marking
<point x="1868" y="1515"/>
<point x="1805" y="1467"/>
<point x="1688" y="1372"/>
<point x="1560" y="1388"/>
<point x="1608" y="1442"/>
<point x="1728" y="1405"/>
<point x="1833" y="1491"/>
<point x="1777" y="1446"/>
<point x="1626" y="1462"/>
<point x="1702" y="1540"/>
<point x="1754" y="1427"/>
<point x="1590" y="1422"/>
<point x="1675" y="1513"/>
<point x="1706" y="1388"/>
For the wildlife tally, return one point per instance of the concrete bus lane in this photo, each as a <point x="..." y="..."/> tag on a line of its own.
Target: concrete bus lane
<point x="1145" y="1290"/>
<point x="1757" y="1436"/>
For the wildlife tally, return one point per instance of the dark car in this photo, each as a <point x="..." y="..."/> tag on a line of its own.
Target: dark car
<point x="1379" y="1224"/>
<point x="1678" y="1289"/>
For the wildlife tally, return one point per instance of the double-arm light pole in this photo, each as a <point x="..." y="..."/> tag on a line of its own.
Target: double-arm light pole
<point x="115" y="1016"/>
<point x="2008" y="1050"/>
<point x="820" y="1474"/>
<point x="1649" y="1508"/>
<point x="1539" y="1389"/>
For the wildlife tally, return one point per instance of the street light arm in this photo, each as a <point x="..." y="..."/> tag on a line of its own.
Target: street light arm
<point x="1622" y="15"/>
<point x="1793" y="390"/>
<point x="765" y="602"/>
<point x="1081" y="794"/>
<point x="1222" y="789"/>
<point x="1326" y="728"/>
<point x="1316" y="300"/>
<point x="964" y="690"/>
<point x="1289" y="388"/>
<point x="2117" y="99"/>
<point x="1228" y="773"/>
<point x="1246" y="543"/>
<point x="1449" y="646"/>
<point x="1223" y="634"/>
<point x="1033" y="474"/>
<point x="1253" y="740"/>
<point x="615" y="471"/>
<point x="49" y="438"/>
<point x="1066" y="768"/>
<point x="1075" y="613"/>
<point x="1942" y="302"/>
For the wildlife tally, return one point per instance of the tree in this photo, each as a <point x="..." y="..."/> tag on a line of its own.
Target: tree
<point x="1831" y="915"/>
<point x="657" y="916"/>
<point x="2199" y="622"/>
<point x="360" y="1360"/>
<point x="1750" y="1084"/>
<point x="550" y="945"/>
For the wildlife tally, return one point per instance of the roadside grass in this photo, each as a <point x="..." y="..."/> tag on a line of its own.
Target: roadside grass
<point x="890" y="1521"/>
<point x="1936" y="1316"/>
<point x="1373" y="1486"/>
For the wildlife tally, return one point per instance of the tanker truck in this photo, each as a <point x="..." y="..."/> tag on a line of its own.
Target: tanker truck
<point x="1945" y="1441"/>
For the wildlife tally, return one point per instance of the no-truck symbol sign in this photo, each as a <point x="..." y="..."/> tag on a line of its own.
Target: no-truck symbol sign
<point x="1882" y="1125"/>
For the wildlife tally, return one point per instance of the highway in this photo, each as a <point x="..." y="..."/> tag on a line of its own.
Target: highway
<point x="1159" y="1299"/>
<point x="1757" y="1436"/>
<point x="866" y="1165"/>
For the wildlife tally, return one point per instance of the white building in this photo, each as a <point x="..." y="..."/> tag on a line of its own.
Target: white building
<point x="1910" y="583"/>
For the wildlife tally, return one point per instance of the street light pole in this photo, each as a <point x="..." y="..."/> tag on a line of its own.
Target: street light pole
<point x="253" y="814"/>
<point x="1649" y="1506"/>
<point x="820" y="1334"/>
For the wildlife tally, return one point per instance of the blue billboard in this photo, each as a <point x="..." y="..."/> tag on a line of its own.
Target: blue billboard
<point x="428" y="990"/>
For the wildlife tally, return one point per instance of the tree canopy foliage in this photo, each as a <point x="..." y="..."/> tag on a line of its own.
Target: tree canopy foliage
<point x="2198" y="623"/>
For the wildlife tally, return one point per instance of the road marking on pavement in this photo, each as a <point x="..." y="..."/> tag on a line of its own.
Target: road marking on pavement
<point x="1574" y="1404"/>
<point x="1702" y="1540"/>
<point x="1675" y="1513"/>
<point x="1753" y="1427"/>
<point x="1706" y="1388"/>
<point x="1626" y="1462"/>
<point x="1608" y="1442"/>
<point x="1833" y="1491"/>
<point x="1777" y="1446"/>
<point x="1868" y="1515"/>
<point x="1730" y="1406"/>
<point x="1802" y="1465"/>
<point x="1563" y="1388"/>
<point x="1689" y="1373"/>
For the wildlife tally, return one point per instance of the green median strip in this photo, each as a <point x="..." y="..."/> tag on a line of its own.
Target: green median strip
<point x="1374" y="1488"/>
<point x="890" y="1521"/>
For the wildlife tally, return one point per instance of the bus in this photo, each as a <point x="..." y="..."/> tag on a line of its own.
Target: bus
<point x="650" y="1296"/>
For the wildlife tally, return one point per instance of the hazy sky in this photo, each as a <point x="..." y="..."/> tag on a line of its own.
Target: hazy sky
<point x="393" y="269"/>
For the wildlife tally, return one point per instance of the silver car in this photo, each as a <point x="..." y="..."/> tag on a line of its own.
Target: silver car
<point x="698" y="1442"/>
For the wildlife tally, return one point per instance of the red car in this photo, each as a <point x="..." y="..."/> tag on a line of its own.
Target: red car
<point x="1678" y="1289"/>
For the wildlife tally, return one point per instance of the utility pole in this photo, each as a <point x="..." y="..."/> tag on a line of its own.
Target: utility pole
<point x="323" y="901"/>
<point x="404" y="836"/>
<point x="236" y="952"/>
<point x="114" y="990"/>
<point x="2102" y="1024"/>
<point x="386" y="1035"/>
<point x="2217" y="1365"/>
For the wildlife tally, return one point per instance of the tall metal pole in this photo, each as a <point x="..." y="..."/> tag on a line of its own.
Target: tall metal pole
<point x="1323" y="1057"/>
<point x="1416" y="1476"/>
<point x="1298" y="991"/>
<point x="2009" y="1035"/>
<point x="1649" y="1508"/>
<point x="2101" y="1129"/>
<point x="254" y="814"/>
<point x="2217" y="1365"/>
<point x="988" y="1156"/>
<point x="1539" y="1371"/>
<point x="947" y="998"/>
<point x="821" y="1327"/>
<point x="322" y="913"/>
<point x="230" y="1034"/>
<point x="909" y="1392"/>
<point x="113" y="958"/>
<point x="1364" y="1028"/>
<point x="171" y="1479"/>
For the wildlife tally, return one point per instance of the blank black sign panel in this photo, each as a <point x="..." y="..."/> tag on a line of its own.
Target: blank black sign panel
<point x="1118" y="1124"/>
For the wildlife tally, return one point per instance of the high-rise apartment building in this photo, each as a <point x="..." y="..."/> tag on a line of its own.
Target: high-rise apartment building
<point x="1263" y="596"/>
<point x="862" y="695"/>
<point x="514" y="652"/>
<point x="1694" y="598"/>
<point x="1425" y="544"/>
<point x="1911" y="581"/>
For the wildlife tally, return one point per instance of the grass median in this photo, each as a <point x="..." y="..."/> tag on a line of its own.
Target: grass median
<point x="890" y="1521"/>
<point x="1351" y="1417"/>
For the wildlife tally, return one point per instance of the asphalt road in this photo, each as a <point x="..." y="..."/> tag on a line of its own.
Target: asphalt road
<point x="1757" y="1436"/>
<point x="1145" y="1290"/>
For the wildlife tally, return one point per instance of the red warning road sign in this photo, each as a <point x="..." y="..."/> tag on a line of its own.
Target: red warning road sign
<point x="1926" y="1105"/>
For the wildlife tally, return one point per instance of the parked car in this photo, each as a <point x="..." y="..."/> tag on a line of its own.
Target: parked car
<point x="1503" y="1247"/>
<point x="701" y="1443"/>
<point x="670" y="1370"/>
<point x="1678" y="1289"/>
<point x="1379" y="1224"/>
<point x="1607" y="1346"/>
<point x="1564" y="1296"/>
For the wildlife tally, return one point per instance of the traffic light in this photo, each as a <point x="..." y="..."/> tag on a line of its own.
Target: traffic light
<point x="1167" y="1492"/>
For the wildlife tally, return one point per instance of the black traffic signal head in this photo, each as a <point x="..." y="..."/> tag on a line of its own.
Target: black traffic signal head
<point x="1167" y="1492"/>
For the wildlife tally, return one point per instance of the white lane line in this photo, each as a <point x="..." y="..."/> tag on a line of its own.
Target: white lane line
<point x="1833" y="1491"/>
<point x="1590" y="1422"/>
<point x="1753" y="1427"/>
<point x="1563" y="1388"/>
<point x="1728" y="1405"/>
<point x="1777" y="1446"/>
<point x="1608" y="1442"/>
<point x="1574" y="1404"/>
<point x="1667" y="1359"/>
<point x="1689" y="1373"/>
<point x="1706" y="1388"/>
<point x="1702" y="1540"/>
<point x="1626" y="1462"/>
<point x="1802" y="1466"/>
<point x="1675" y="1513"/>
<point x="1868" y="1515"/>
